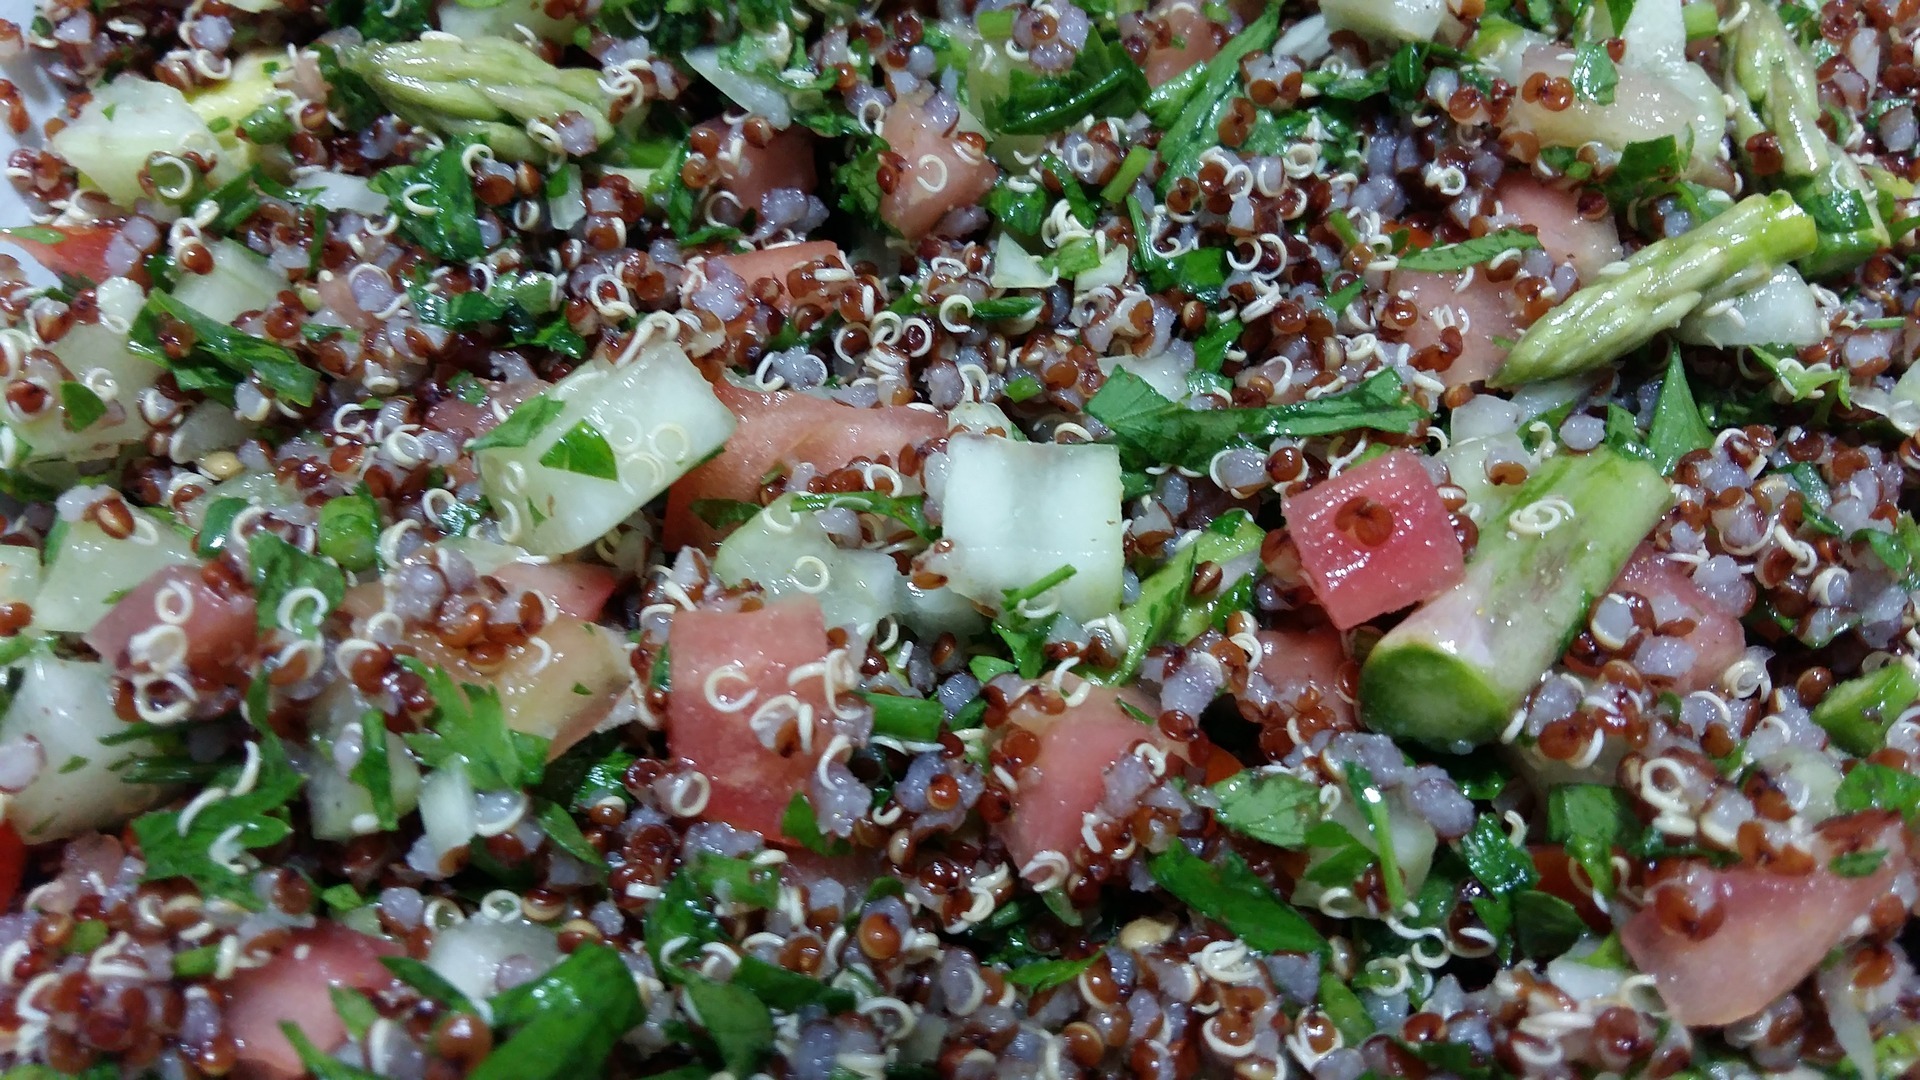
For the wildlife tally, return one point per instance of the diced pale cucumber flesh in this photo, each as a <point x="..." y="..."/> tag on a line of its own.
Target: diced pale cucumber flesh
<point x="1390" y="20"/>
<point x="19" y="574"/>
<point x="657" y="415"/>
<point x="67" y="705"/>
<point x="99" y="361"/>
<point x="1454" y="671"/>
<point x="468" y="954"/>
<point x="128" y="121"/>
<point x="239" y="282"/>
<point x="88" y="571"/>
<point x="1019" y="511"/>
<point x="341" y="808"/>
<point x="785" y="551"/>
<point x="1779" y="311"/>
<point x="1413" y="840"/>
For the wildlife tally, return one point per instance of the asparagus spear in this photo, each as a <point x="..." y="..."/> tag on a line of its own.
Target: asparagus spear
<point x="1857" y="713"/>
<point x="1453" y="673"/>
<point x="487" y="87"/>
<point x="1662" y="283"/>
<point x="1772" y="87"/>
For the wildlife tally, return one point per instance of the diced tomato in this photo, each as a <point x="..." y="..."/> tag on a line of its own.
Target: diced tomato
<point x="470" y="420"/>
<point x="1066" y="779"/>
<point x="1776" y="929"/>
<point x="83" y="252"/>
<point x="777" y="262"/>
<point x="576" y="589"/>
<point x="1564" y="232"/>
<point x="1303" y="668"/>
<point x="1480" y="309"/>
<point x="1716" y="639"/>
<point x="221" y="629"/>
<point x="1374" y="539"/>
<point x="752" y="784"/>
<point x="787" y="426"/>
<point x="938" y="175"/>
<point x="1191" y="41"/>
<point x="296" y="987"/>
<point x="13" y="863"/>
<point x="750" y="171"/>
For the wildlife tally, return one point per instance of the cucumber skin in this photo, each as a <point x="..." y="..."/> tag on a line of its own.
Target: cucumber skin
<point x="1857" y="713"/>
<point x="1452" y="674"/>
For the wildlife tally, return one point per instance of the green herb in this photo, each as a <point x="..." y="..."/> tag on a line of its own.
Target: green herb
<point x="566" y="835"/>
<point x="279" y="571"/>
<point x="1131" y="166"/>
<point x="90" y="934"/>
<point x="858" y="182"/>
<point x="1468" y="253"/>
<point x="1233" y="896"/>
<point x="908" y="510"/>
<point x="738" y="1023"/>
<point x="373" y="772"/>
<point x="1857" y="863"/>
<point x="910" y="719"/>
<point x="1591" y="820"/>
<point x="788" y="991"/>
<point x="1339" y="856"/>
<point x="1898" y="550"/>
<point x="1594" y="76"/>
<point x="1677" y="428"/>
<point x="80" y="406"/>
<point x="438" y="182"/>
<point x="1104" y="81"/>
<point x="582" y="449"/>
<point x="470" y="729"/>
<point x="350" y="530"/>
<point x="725" y="513"/>
<point x="322" y="1065"/>
<point x="35" y="234"/>
<point x="565" y="1023"/>
<point x="429" y="982"/>
<point x="1493" y="858"/>
<point x="1277" y="808"/>
<point x="1021" y="212"/>
<point x="1544" y="926"/>
<point x="207" y="849"/>
<point x="1043" y="975"/>
<point x="1200" y="273"/>
<point x="1344" y="1007"/>
<point x="1815" y="498"/>
<point x="1338" y="300"/>
<point x="1871" y="786"/>
<point x="1151" y="430"/>
<point x="1372" y="804"/>
<point x="221" y="356"/>
<point x="1006" y="307"/>
<point x="1023" y="388"/>
<point x="342" y="898"/>
<point x="520" y="427"/>
<point x="798" y="823"/>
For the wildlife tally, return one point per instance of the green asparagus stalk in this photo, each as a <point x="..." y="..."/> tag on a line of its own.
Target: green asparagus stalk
<point x="1772" y="87"/>
<point x="488" y="88"/>
<point x="1453" y="673"/>
<point x="1857" y="713"/>
<point x="1662" y="283"/>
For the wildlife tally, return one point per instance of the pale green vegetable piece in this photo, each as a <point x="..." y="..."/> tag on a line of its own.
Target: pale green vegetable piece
<point x="785" y="551"/>
<point x="67" y="705"/>
<point x="88" y="571"/>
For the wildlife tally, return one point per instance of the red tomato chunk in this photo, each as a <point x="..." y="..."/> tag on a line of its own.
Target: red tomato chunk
<point x="1375" y="539"/>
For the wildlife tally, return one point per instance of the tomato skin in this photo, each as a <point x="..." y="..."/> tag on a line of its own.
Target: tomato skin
<point x="776" y="262"/>
<point x="83" y="253"/>
<point x="751" y="784"/>
<point x="296" y="986"/>
<point x="785" y="162"/>
<point x="1296" y="663"/>
<point x="1355" y="581"/>
<point x="1565" y="233"/>
<point x="576" y="589"/>
<point x="221" y="630"/>
<point x="1191" y="41"/>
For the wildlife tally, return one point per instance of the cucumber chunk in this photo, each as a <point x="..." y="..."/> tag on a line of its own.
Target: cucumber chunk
<point x="88" y="571"/>
<point x="1857" y="713"/>
<point x="67" y="706"/>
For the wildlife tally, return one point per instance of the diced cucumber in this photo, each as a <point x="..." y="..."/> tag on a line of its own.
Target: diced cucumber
<point x="19" y="574"/>
<point x="88" y="571"/>
<point x="1019" y="511"/>
<point x="932" y="612"/>
<point x="1389" y="20"/>
<point x="613" y="438"/>
<point x="1414" y="843"/>
<point x="104" y="371"/>
<point x="470" y="21"/>
<point x="236" y="97"/>
<point x="785" y="551"/>
<point x="1857" y="713"/>
<point x="68" y="706"/>
<point x="128" y="121"/>
<point x="1781" y="310"/>
<point x="1454" y="671"/>
<point x="341" y="808"/>
<point x="1015" y="268"/>
<point x="468" y="954"/>
<point x="240" y="281"/>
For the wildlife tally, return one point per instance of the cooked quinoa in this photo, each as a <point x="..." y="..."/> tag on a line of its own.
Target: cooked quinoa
<point x="1344" y="539"/>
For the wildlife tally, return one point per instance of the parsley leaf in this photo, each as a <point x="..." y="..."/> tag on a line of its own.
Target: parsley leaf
<point x="582" y="449"/>
<point x="1493" y="858"/>
<point x="567" y="1022"/>
<point x="1857" y="863"/>
<point x="527" y="420"/>
<point x="82" y="408"/>
<point x="1229" y="893"/>
<point x="1044" y="975"/>
<point x="1278" y="808"/>
<point x="1103" y="81"/>
<point x="1594" y="76"/>
<point x="439" y="181"/>
<point x="208" y="851"/>
<point x="1151" y="430"/>
<point x="221" y="355"/>
<point x="1677" y="428"/>
<point x="908" y="510"/>
<point x="470" y="729"/>
<point x="372" y="771"/>
<point x="1467" y="253"/>
<point x="281" y="570"/>
<point x="1591" y="820"/>
<point x="1872" y="786"/>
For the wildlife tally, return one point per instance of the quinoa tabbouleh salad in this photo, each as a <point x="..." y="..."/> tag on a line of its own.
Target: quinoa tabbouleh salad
<point x="1343" y="539"/>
